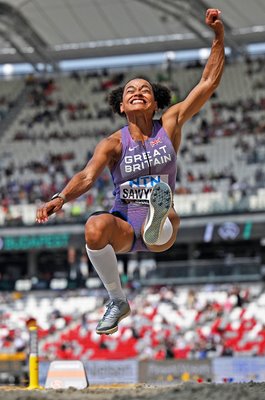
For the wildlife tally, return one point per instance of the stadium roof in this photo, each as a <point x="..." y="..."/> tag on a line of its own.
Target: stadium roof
<point x="51" y="30"/>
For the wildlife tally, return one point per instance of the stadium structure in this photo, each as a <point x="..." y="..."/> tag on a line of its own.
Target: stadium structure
<point x="194" y="305"/>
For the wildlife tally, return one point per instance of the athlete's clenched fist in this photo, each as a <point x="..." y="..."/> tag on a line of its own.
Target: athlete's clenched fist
<point x="213" y="20"/>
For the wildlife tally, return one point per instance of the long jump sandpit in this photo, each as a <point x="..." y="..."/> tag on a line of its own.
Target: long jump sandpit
<point x="183" y="391"/>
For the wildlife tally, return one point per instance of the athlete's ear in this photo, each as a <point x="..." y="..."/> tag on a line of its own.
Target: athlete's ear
<point x="121" y="107"/>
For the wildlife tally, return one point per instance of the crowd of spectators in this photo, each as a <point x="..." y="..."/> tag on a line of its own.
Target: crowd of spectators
<point x="6" y="106"/>
<point x="235" y="118"/>
<point x="166" y="322"/>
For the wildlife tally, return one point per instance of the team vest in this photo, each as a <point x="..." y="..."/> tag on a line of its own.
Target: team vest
<point x="142" y="165"/>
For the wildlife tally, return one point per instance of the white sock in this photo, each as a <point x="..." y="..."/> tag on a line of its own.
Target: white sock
<point x="105" y="263"/>
<point x="166" y="233"/>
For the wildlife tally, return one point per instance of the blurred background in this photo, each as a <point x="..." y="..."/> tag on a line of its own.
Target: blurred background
<point x="198" y="310"/>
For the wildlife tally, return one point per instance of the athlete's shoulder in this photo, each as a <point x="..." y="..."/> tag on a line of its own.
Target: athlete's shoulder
<point x="116" y="135"/>
<point x="115" y="138"/>
<point x="113" y="143"/>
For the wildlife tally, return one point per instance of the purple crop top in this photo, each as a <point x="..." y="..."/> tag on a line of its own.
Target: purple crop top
<point x="142" y="165"/>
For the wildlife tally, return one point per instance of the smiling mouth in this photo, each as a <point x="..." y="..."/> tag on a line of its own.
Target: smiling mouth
<point x="137" y="101"/>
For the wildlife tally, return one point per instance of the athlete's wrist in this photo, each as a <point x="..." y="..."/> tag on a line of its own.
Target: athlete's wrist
<point x="59" y="196"/>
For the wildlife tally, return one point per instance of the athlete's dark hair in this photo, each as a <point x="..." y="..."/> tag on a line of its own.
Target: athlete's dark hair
<point x="161" y="93"/>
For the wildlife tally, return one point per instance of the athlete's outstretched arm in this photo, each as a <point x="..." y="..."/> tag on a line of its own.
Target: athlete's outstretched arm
<point x="178" y="114"/>
<point x="106" y="151"/>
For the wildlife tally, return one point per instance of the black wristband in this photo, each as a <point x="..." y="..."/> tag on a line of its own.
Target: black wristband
<point x="59" y="195"/>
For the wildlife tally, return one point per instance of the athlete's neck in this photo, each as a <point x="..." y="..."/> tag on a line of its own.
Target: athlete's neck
<point x="140" y="128"/>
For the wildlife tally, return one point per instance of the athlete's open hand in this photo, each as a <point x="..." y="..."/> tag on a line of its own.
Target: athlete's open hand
<point x="213" y="20"/>
<point x="48" y="209"/>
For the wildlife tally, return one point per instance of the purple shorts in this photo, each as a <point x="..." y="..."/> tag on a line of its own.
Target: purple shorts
<point x="135" y="215"/>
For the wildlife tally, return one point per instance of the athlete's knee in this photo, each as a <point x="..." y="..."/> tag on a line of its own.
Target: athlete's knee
<point x="97" y="231"/>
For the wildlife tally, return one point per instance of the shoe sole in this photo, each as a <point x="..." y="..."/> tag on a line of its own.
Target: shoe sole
<point x="115" y="328"/>
<point x="159" y="207"/>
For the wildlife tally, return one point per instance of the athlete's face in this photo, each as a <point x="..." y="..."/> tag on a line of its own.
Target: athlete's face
<point x="138" y="96"/>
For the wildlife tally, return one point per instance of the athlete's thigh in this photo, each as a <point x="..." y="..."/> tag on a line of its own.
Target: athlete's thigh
<point x="123" y="236"/>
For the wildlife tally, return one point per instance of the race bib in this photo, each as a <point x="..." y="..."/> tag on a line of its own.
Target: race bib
<point x="139" y="189"/>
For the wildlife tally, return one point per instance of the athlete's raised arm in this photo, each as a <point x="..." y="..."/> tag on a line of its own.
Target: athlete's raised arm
<point x="105" y="153"/>
<point x="178" y="114"/>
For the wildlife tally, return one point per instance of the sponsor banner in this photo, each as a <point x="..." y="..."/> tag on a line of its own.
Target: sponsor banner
<point x="139" y="189"/>
<point x="175" y="371"/>
<point x="238" y="369"/>
<point x="218" y="370"/>
<point x="29" y="242"/>
<point x="102" y="372"/>
<point x="117" y="371"/>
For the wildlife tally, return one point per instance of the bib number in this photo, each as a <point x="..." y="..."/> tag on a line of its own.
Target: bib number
<point x="139" y="189"/>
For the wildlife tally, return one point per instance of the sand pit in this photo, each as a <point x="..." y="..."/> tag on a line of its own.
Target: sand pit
<point x="192" y="391"/>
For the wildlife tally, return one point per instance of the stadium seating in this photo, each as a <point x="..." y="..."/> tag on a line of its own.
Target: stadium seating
<point x="221" y="160"/>
<point x="191" y="323"/>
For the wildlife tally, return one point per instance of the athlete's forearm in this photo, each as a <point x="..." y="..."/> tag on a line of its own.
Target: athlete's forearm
<point x="79" y="184"/>
<point x="215" y="65"/>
